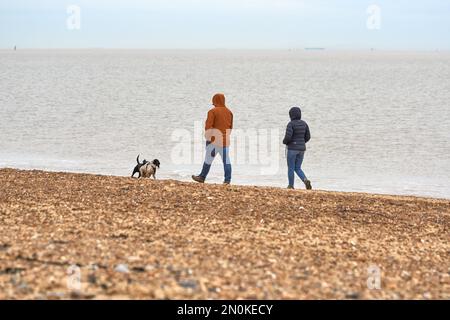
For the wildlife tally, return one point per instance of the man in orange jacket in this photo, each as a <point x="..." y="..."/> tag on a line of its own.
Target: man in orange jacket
<point x="218" y="127"/>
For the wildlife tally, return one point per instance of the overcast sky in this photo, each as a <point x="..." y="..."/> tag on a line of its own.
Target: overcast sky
<point x="336" y="24"/>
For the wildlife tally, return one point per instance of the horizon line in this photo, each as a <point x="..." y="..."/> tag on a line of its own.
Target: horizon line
<point x="15" y="48"/>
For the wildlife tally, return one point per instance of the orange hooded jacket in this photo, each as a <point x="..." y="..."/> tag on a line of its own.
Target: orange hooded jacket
<point x="219" y="122"/>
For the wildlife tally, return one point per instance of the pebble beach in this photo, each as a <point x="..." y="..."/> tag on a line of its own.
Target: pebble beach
<point x="83" y="236"/>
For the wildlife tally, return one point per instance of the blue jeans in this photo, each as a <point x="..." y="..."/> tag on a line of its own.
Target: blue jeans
<point x="294" y="162"/>
<point x="211" y="151"/>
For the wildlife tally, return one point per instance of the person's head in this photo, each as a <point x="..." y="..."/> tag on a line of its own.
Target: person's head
<point x="295" y="113"/>
<point x="218" y="100"/>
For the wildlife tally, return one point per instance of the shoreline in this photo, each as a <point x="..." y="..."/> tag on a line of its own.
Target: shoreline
<point x="166" y="239"/>
<point x="367" y="193"/>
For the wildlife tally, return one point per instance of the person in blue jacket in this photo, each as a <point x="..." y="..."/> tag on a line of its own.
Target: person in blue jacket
<point x="295" y="139"/>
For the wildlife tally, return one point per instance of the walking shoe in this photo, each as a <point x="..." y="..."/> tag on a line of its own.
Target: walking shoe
<point x="308" y="185"/>
<point x="198" y="179"/>
<point x="290" y="187"/>
<point x="226" y="182"/>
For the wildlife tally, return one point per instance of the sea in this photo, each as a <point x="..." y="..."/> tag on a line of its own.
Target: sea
<point x="379" y="120"/>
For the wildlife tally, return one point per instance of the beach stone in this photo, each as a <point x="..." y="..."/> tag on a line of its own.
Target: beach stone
<point x="133" y="258"/>
<point x="4" y="246"/>
<point x="24" y="288"/>
<point x="149" y="268"/>
<point x="92" y="278"/>
<point x="405" y="275"/>
<point x="138" y="269"/>
<point x="122" y="268"/>
<point x="352" y="295"/>
<point x="188" y="284"/>
<point x="57" y="295"/>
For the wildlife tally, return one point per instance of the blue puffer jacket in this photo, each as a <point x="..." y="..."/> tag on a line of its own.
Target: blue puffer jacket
<point x="297" y="131"/>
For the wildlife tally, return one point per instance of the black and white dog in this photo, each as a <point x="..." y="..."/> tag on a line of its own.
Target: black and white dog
<point x="145" y="169"/>
<point x="149" y="169"/>
<point x="138" y="166"/>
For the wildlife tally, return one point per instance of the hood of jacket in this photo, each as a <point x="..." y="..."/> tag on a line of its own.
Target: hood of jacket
<point x="295" y="113"/>
<point x="218" y="100"/>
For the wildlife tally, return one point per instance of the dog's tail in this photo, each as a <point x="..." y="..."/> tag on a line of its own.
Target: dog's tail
<point x="137" y="159"/>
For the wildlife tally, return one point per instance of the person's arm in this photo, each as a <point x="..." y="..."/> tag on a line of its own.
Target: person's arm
<point x="288" y="135"/>
<point x="232" y="119"/>
<point x="209" y="125"/>
<point x="307" y="133"/>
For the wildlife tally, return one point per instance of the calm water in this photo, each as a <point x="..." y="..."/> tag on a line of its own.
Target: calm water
<point x="380" y="122"/>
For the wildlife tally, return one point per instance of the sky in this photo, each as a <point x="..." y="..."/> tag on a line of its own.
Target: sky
<point x="226" y="24"/>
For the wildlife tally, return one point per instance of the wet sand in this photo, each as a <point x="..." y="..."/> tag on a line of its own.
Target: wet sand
<point x="144" y="239"/>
